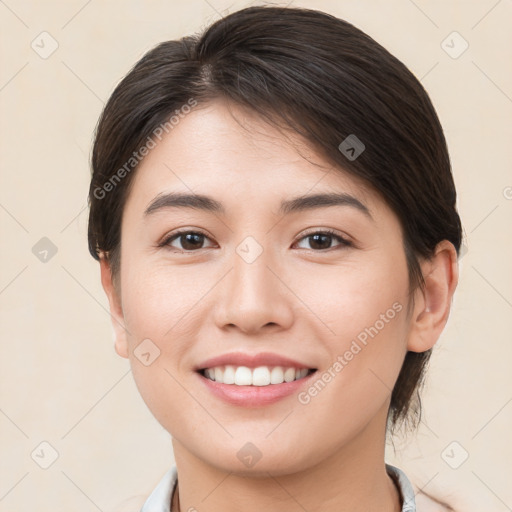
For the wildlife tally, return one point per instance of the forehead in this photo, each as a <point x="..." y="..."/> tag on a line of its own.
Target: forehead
<point x="230" y="152"/>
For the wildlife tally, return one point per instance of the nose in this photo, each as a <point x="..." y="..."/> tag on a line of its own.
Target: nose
<point x="253" y="297"/>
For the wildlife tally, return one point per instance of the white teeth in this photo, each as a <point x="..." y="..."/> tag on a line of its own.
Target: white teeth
<point x="276" y="375"/>
<point x="289" y="374"/>
<point x="243" y="376"/>
<point x="260" y="376"/>
<point x="229" y="375"/>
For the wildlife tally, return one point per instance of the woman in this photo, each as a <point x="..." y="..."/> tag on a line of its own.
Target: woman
<point x="274" y="213"/>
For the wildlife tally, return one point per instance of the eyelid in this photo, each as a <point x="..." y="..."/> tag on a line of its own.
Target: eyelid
<point x="166" y="239"/>
<point x="344" y="240"/>
<point x="330" y="231"/>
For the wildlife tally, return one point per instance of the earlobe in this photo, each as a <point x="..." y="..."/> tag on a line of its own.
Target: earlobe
<point x="116" y="311"/>
<point x="433" y="303"/>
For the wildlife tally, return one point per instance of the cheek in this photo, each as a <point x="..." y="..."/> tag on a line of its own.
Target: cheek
<point x="161" y="309"/>
<point x="364" y="315"/>
<point x="355" y="295"/>
<point x="157" y="300"/>
<point x="153" y="307"/>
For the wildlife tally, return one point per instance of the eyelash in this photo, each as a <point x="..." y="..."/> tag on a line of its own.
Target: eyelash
<point x="173" y="236"/>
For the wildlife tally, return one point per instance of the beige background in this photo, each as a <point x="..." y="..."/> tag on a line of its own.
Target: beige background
<point x="61" y="381"/>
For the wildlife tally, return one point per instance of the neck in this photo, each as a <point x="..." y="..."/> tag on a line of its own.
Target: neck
<point x="351" y="479"/>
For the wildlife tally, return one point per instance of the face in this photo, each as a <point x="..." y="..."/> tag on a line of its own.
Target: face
<point x="322" y="286"/>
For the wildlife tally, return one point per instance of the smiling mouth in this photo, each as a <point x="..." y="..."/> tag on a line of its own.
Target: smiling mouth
<point x="259" y="376"/>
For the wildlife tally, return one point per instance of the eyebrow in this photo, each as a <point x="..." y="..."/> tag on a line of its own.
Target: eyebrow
<point x="297" y="204"/>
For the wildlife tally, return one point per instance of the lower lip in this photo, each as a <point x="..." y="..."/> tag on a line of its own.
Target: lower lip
<point x="254" y="396"/>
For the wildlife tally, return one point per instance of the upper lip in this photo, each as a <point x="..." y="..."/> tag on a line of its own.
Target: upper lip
<point x="251" y="361"/>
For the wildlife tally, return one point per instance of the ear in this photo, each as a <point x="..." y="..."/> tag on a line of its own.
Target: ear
<point x="116" y="311"/>
<point x="432" y="305"/>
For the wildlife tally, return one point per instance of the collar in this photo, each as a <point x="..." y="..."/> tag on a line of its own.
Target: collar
<point x="160" y="499"/>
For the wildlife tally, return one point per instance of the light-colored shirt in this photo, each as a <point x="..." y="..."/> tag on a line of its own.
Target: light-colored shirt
<point x="160" y="499"/>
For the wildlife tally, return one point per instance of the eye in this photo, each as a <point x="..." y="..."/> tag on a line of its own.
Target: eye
<point x="321" y="240"/>
<point x="188" y="240"/>
<point x="193" y="240"/>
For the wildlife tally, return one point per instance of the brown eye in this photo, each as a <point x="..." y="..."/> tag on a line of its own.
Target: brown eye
<point x="322" y="240"/>
<point x="188" y="240"/>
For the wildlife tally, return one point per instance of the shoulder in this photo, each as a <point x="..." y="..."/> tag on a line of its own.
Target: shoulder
<point x="414" y="499"/>
<point x="425" y="503"/>
<point x="133" y="504"/>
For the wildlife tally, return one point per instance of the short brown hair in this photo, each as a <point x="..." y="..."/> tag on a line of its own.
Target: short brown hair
<point x="324" y="79"/>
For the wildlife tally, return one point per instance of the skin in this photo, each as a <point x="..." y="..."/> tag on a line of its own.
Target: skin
<point x="295" y="299"/>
